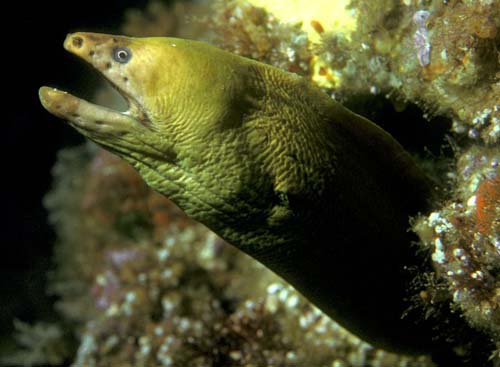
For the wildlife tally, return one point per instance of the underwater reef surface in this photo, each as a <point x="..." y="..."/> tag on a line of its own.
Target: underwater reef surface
<point x="142" y="285"/>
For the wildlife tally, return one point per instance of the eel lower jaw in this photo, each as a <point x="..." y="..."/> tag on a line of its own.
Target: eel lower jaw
<point x="89" y="117"/>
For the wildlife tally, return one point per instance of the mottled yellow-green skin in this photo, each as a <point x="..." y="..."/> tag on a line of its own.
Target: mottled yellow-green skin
<point x="317" y="193"/>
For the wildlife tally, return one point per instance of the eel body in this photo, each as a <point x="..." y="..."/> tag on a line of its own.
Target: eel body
<point x="318" y="194"/>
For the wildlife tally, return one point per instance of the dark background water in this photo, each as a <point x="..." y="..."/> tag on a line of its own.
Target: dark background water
<point x="32" y="56"/>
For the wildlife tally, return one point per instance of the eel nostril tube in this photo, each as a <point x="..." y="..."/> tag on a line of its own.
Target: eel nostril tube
<point x="77" y="41"/>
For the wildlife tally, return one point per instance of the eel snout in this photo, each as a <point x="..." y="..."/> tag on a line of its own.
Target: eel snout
<point x="94" y="48"/>
<point x="107" y="55"/>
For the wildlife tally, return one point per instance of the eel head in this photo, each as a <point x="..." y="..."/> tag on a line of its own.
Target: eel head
<point x="183" y="130"/>
<point x="157" y="78"/>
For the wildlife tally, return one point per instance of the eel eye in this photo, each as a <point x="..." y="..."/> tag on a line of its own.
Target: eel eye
<point x="122" y="55"/>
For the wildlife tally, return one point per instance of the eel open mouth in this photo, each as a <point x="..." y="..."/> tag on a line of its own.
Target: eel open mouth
<point x="88" y="117"/>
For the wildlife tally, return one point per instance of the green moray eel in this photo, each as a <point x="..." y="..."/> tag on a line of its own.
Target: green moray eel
<point x="317" y="193"/>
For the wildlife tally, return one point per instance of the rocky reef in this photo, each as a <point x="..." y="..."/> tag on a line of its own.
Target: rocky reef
<point x="140" y="284"/>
